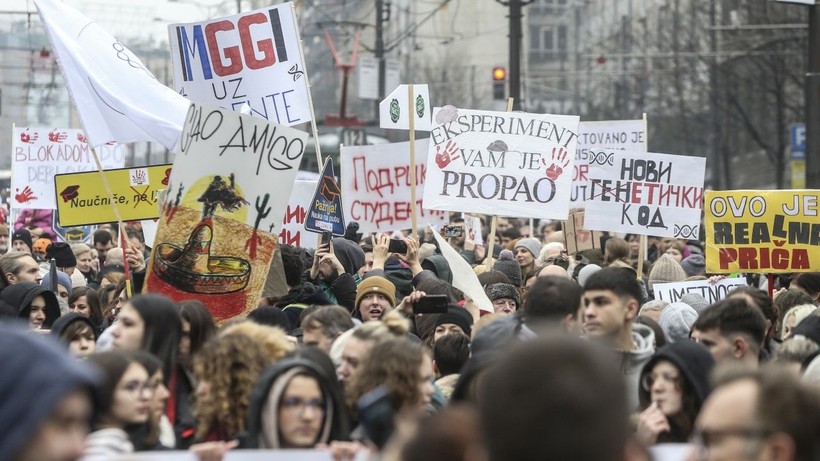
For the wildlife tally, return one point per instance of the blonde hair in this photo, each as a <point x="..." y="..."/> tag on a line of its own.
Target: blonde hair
<point x="79" y="249"/>
<point x="800" y="312"/>
<point x="272" y="339"/>
<point x="392" y="324"/>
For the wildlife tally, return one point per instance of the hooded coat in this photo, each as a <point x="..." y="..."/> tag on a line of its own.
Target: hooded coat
<point x="15" y="301"/>
<point x="30" y="365"/>
<point x="342" y="291"/>
<point x="64" y="321"/>
<point x="263" y="429"/>
<point x="633" y="361"/>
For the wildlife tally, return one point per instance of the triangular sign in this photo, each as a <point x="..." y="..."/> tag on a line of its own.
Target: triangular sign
<point x="325" y="211"/>
<point x="394" y="112"/>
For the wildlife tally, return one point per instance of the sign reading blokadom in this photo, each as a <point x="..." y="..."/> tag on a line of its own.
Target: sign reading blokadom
<point x="500" y="163"/>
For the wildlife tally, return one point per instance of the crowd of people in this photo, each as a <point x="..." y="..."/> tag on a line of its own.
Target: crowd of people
<point x="378" y="353"/>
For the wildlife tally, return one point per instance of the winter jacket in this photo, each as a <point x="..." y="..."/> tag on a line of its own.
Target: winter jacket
<point x="633" y="361"/>
<point x="30" y="219"/>
<point x="105" y="443"/>
<point x="15" y="301"/>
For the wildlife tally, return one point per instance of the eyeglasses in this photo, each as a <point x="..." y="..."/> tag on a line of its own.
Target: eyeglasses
<point x="649" y="380"/>
<point x="706" y="438"/>
<point x="140" y="386"/>
<point x="298" y="406"/>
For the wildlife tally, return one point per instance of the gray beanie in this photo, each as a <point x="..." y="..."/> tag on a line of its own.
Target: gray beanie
<point x="694" y="265"/>
<point x="532" y="245"/>
<point x="503" y="290"/>
<point x="585" y="272"/>
<point x="507" y="265"/>
<point x="676" y="321"/>
<point x="698" y="302"/>
<point x="654" y="305"/>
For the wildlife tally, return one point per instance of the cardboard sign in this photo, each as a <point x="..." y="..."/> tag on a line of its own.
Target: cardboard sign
<point x="501" y="163"/>
<point x="376" y="186"/>
<point x="577" y="238"/>
<point x="325" y="213"/>
<point x="228" y="187"/>
<point x="40" y="154"/>
<point x="757" y="231"/>
<point x="251" y="59"/>
<point x="712" y="292"/>
<point x="293" y="222"/>
<point x="394" y="112"/>
<point x="629" y="135"/>
<point x="645" y="193"/>
<point x="83" y="199"/>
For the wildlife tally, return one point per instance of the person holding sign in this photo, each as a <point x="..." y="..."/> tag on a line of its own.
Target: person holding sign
<point x="335" y="268"/>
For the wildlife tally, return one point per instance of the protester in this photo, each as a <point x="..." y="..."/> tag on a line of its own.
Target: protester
<point x="19" y="266"/>
<point x="731" y="330"/>
<point x="4" y="238"/>
<point x="42" y="418"/>
<point x="554" y="302"/>
<point x="808" y="282"/>
<point x="21" y="241"/>
<point x="38" y="249"/>
<point x="32" y="303"/>
<point x="611" y="300"/>
<point x="64" y="287"/>
<point x="36" y="222"/>
<point x="674" y="384"/>
<point x="335" y="270"/>
<point x="84" y="301"/>
<point x="77" y="333"/>
<point x="450" y="354"/>
<point x="63" y="257"/>
<point x="102" y="243"/>
<point x="355" y="345"/>
<point x="793" y="317"/>
<point x="505" y="297"/>
<point x="795" y="354"/>
<point x="323" y="325"/>
<point x="374" y="297"/>
<point x="455" y="321"/>
<point x="157" y="433"/>
<point x="197" y="328"/>
<point x="82" y="253"/>
<point x="526" y="252"/>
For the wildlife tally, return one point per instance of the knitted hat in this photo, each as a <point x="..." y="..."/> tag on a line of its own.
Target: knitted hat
<point x="666" y="270"/>
<point x="694" y="265"/>
<point x="62" y="279"/>
<point x="676" y="321"/>
<point x="40" y="245"/>
<point x="376" y="284"/>
<point x="24" y="235"/>
<point x="503" y="290"/>
<point x="507" y="265"/>
<point x="698" y="302"/>
<point x="586" y="271"/>
<point x="532" y="245"/>
<point x="457" y="316"/>
<point x="62" y="254"/>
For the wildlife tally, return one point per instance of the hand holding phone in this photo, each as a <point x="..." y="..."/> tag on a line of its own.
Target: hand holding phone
<point x="431" y="304"/>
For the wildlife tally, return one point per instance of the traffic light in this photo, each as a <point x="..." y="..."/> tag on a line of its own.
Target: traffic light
<point x="499" y="82"/>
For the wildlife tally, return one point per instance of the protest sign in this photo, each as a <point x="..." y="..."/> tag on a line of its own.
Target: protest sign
<point x="576" y="237"/>
<point x="473" y="229"/>
<point x="500" y="163"/>
<point x="228" y="187"/>
<point x="251" y="59"/>
<point x="464" y="278"/>
<point x="394" y="112"/>
<point x="83" y="199"/>
<point x="712" y="292"/>
<point x="293" y="222"/>
<point x="325" y="212"/>
<point x="41" y="153"/>
<point x="762" y="231"/>
<point x="376" y="186"/>
<point x="628" y="135"/>
<point x="645" y="193"/>
<point x="116" y="96"/>
<point x="72" y="234"/>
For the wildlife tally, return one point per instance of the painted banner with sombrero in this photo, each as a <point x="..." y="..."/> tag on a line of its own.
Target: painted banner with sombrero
<point x="228" y="191"/>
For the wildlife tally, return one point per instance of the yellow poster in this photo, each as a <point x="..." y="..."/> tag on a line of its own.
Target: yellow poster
<point x="756" y="231"/>
<point x="82" y="198"/>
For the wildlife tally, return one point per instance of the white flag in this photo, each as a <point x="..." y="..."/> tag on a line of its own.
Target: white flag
<point x="117" y="98"/>
<point x="394" y="112"/>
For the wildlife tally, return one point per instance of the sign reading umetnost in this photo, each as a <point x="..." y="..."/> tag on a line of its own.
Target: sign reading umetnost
<point x="500" y="163"/>
<point x="762" y="231"/>
<point x="645" y="193"/>
<point x="712" y="292"/>
<point x="82" y="198"/>
<point x="252" y="59"/>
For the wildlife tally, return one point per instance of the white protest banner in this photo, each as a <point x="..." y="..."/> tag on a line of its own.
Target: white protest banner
<point x="645" y="193"/>
<point x="41" y="153"/>
<point x="394" y="112"/>
<point x="500" y="163"/>
<point x="713" y="292"/>
<point x="117" y="98"/>
<point x="228" y="188"/>
<point x="250" y="59"/>
<point x="472" y="227"/>
<point x="629" y="135"/>
<point x="376" y="186"/>
<point x="293" y="222"/>
<point x="464" y="277"/>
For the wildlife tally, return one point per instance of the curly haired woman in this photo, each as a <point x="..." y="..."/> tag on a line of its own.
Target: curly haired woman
<point x="226" y="368"/>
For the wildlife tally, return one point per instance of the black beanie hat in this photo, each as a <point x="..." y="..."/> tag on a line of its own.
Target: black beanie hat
<point x="62" y="254"/>
<point x="25" y="236"/>
<point x="457" y="316"/>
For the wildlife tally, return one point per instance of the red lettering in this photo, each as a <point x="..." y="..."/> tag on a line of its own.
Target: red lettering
<point x="727" y="256"/>
<point x="747" y="258"/>
<point x="264" y="46"/>
<point x="780" y="259"/>
<point x="800" y="259"/>
<point x="580" y="172"/>
<point x="231" y="53"/>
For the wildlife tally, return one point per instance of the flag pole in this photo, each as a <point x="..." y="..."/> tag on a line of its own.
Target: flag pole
<point x="643" y="242"/>
<point x="494" y="221"/>
<point x="314" y="128"/>
<point x="411" y="114"/>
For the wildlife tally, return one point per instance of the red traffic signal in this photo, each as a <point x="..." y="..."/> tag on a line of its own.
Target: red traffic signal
<point x="499" y="73"/>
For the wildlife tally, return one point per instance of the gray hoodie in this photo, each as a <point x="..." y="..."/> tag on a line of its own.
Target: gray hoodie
<point x="632" y="362"/>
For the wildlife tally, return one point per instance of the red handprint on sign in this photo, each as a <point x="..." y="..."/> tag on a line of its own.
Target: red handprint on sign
<point x="559" y="156"/>
<point x="446" y="156"/>
<point x="24" y="197"/>
<point x="81" y="137"/>
<point x="57" y="136"/>
<point x="28" y="138"/>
